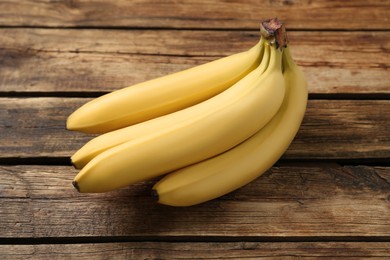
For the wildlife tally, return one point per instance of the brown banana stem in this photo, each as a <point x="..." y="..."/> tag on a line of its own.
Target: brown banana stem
<point x="275" y="32"/>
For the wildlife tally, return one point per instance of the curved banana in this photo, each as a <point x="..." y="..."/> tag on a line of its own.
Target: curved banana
<point x="108" y="140"/>
<point x="231" y="117"/>
<point x="235" y="168"/>
<point x="163" y="95"/>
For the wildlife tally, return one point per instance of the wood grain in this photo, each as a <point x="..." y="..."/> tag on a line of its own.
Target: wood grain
<point x="52" y="60"/>
<point x="57" y="55"/>
<point x="298" y="14"/>
<point x="331" y="129"/>
<point x="289" y="201"/>
<point x="186" y="250"/>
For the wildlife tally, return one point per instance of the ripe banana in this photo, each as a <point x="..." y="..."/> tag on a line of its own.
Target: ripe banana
<point x="235" y="168"/>
<point x="215" y="126"/>
<point x="163" y="95"/>
<point x="108" y="140"/>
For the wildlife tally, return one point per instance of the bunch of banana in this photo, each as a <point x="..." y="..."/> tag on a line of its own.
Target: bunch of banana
<point x="210" y="129"/>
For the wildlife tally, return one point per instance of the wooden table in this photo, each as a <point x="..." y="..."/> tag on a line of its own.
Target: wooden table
<point x="328" y="196"/>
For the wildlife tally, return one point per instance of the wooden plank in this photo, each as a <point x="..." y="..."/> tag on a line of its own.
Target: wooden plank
<point x="186" y="250"/>
<point x="332" y="129"/>
<point x="49" y="60"/>
<point x="357" y="14"/>
<point x="326" y="201"/>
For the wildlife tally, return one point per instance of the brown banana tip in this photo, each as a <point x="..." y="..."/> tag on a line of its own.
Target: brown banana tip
<point x="72" y="163"/>
<point x="154" y="194"/>
<point x="76" y="185"/>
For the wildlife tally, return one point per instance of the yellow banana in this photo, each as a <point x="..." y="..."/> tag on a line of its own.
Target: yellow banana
<point x="163" y="95"/>
<point x="108" y="140"/>
<point x="217" y="125"/>
<point x="235" y="168"/>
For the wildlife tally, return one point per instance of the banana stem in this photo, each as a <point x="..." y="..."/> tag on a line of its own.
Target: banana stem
<point x="275" y="32"/>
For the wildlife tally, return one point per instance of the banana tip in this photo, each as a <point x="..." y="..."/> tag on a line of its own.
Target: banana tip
<point x="68" y="124"/>
<point x="72" y="163"/>
<point x="154" y="194"/>
<point x="76" y="185"/>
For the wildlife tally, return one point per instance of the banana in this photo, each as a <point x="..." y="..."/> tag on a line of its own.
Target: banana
<point x="105" y="141"/>
<point x="216" y="125"/>
<point x="235" y="168"/>
<point x="161" y="96"/>
<point x="108" y="140"/>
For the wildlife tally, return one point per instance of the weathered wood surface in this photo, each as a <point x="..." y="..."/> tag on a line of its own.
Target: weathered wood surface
<point x="52" y="60"/>
<point x="287" y="201"/>
<point x="298" y="14"/>
<point x="332" y="129"/>
<point x="56" y="55"/>
<point x="187" y="250"/>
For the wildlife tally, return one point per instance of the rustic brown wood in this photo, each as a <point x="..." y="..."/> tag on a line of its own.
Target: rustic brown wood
<point x="85" y="48"/>
<point x="295" y="201"/>
<point x="357" y="14"/>
<point x="50" y="60"/>
<point x="186" y="250"/>
<point x="332" y="129"/>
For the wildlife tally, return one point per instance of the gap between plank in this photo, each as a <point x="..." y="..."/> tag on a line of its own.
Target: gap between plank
<point x="95" y="94"/>
<point x="65" y="161"/>
<point x="188" y="28"/>
<point x="186" y="239"/>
